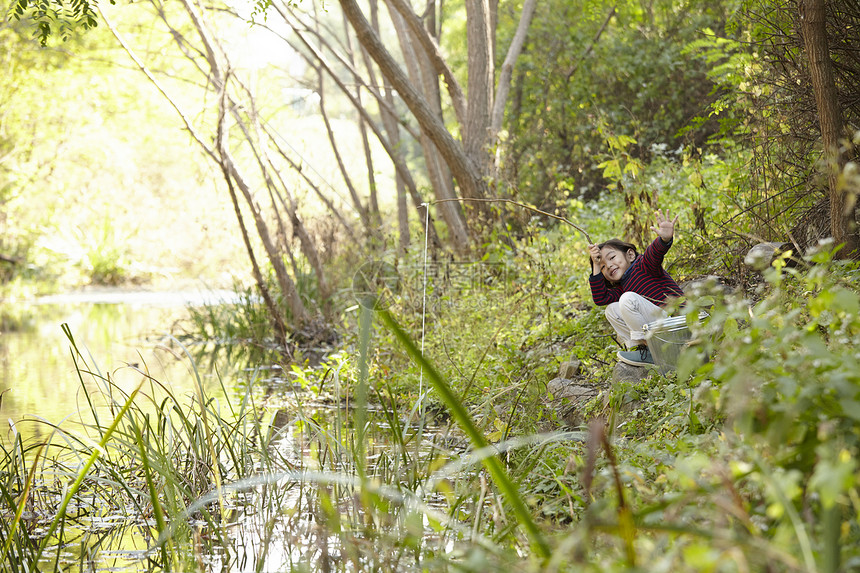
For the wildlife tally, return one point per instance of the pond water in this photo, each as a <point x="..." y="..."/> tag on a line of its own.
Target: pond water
<point x="296" y="506"/>
<point x="111" y="328"/>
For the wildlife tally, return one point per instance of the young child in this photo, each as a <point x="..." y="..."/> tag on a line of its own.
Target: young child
<point x="634" y="288"/>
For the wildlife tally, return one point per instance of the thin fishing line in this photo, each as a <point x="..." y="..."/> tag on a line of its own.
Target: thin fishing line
<point x="424" y="296"/>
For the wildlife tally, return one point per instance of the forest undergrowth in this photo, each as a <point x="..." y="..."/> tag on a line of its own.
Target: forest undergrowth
<point x="403" y="419"/>
<point x="427" y="440"/>
<point x="743" y="459"/>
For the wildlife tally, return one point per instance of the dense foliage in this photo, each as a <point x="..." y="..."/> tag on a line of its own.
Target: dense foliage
<point x="788" y="171"/>
<point x="425" y="437"/>
<point x="603" y="86"/>
<point x="96" y="185"/>
<point x="744" y="458"/>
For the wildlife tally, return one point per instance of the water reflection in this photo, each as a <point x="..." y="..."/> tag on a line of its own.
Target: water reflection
<point x="112" y="330"/>
<point x="291" y="499"/>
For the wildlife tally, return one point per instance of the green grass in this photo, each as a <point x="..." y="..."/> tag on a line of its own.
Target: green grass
<point x="738" y="463"/>
<point x="188" y="474"/>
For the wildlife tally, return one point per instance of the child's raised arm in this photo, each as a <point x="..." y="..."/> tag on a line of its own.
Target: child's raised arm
<point x="665" y="226"/>
<point x="596" y="263"/>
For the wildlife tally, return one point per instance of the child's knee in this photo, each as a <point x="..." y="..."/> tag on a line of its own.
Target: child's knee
<point x="629" y="301"/>
<point x="612" y="311"/>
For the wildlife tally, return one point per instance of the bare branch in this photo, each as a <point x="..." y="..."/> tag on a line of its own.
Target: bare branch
<point x="300" y="26"/>
<point x="142" y="67"/>
<point x="591" y="45"/>
<point x="399" y="164"/>
<point x="274" y="312"/>
<point x="356" y="200"/>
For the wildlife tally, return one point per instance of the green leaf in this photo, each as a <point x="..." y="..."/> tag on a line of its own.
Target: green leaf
<point x="832" y="478"/>
<point x="611" y="169"/>
<point x="846" y="301"/>
<point x="851" y="408"/>
<point x="461" y="415"/>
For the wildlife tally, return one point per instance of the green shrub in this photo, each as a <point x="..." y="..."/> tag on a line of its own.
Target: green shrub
<point x="786" y="369"/>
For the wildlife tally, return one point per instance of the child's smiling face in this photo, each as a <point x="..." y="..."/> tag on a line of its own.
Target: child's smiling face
<point x="615" y="262"/>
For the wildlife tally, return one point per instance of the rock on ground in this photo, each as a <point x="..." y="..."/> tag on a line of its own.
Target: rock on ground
<point x="570" y="390"/>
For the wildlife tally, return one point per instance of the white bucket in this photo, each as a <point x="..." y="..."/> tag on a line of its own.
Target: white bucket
<point x="666" y="338"/>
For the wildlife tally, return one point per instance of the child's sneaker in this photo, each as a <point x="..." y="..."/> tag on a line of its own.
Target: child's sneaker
<point x="639" y="356"/>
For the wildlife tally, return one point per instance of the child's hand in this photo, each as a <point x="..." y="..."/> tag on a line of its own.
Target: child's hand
<point x="596" y="262"/>
<point x="665" y="227"/>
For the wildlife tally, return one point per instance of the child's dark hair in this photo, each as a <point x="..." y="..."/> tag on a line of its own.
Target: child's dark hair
<point x="618" y="245"/>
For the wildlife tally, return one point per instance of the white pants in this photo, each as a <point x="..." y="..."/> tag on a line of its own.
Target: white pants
<point x="629" y="315"/>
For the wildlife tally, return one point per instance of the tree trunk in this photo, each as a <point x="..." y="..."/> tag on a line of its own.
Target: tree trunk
<point x="813" y="20"/>
<point x="269" y="173"/>
<point x="344" y="173"/>
<point x="394" y="153"/>
<point x="481" y="80"/>
<point x="507" y="71"/>
<point x="421" y="74"/>
<point x="217" y="79"/>
<point x="286" y="284"/>
<point x="430" y="45"/>
<point x="277" y="321"/>
<point x="306" y="243"/>
<point x="462" y="166"/>
<point x="391" y="126"/>
<point x="373" y="201"/>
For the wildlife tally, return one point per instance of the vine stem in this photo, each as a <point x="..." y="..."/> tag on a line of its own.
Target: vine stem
<point x="523" y="205"/>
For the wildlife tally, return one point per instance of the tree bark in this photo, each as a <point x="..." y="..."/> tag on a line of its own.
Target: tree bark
<point x="462" y="166"/>
<point x="286" y="284"/>
<point x="277" y="321"/>
<point x="373" y="200"/>
<point x="421" y="74"/>
<point x="431" y="48"/>
<point x="218" y="81"/>
<point x="389" y="122"/>
<point x="306" y="243"/>
<point x="813" y="20"/>
<point x="396" y="157"/>
<point x="480" y="83"/>
<point x="506" y="73"/>
<point x="362" y="211"/>
<point x="267" y="170"/>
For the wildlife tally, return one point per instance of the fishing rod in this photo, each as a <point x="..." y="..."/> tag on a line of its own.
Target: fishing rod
<point x="523" y="205"/>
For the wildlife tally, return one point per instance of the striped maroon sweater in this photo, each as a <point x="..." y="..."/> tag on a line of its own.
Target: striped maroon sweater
<point x="644" y="276"/>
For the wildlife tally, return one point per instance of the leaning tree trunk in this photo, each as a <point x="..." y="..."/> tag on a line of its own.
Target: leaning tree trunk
<point x="465" y="171"/>
<point x="222" y="157"/>
<point x="506" y="73"/>
<point x="218" y="80"/>
<point x="288" y="287"/>
<point x="421" y="74"/>
<point x="277" y="321"/>
<point x="424" y="32"/>
<point x="813" y="20"/>
<point x="390" y="124"/>
<point x="394" y="153"/>
<point x="362" y="211"/>
<point x="373" y="200"/>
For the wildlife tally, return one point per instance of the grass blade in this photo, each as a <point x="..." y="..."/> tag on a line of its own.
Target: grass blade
<point x="464" y="420"/>
<point x="21" y="504"/>
<point x="82" y="474"/>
